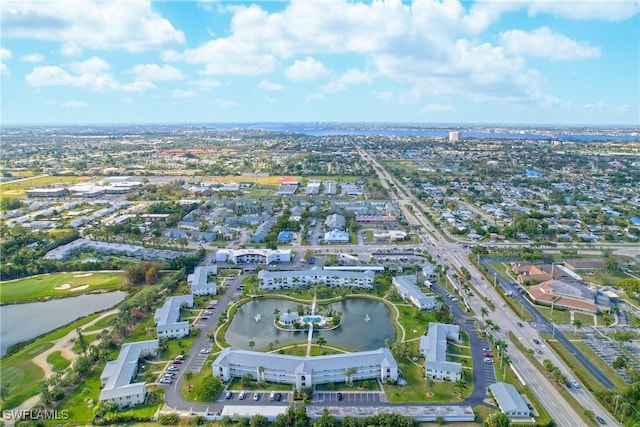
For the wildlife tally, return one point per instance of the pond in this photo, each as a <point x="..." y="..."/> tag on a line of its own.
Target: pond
<point x="23" y="322"/>
<point x="366" y="324"/>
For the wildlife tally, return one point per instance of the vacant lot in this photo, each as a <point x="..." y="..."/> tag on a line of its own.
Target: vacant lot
<point x="57" y="285"/>
<point x="260" y="180"/>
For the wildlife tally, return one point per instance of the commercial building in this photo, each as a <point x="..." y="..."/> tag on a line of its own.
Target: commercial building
<point x="270" y="280"/>
<point x="336" y="236"/>
<point x="47" y="192"/>
<point x="509" y="400"/>
<point x="254" y="256"/>
<point x="199" y="280"/>
<point x="433" y="347"/>
<point x="117" y="375"/>
<point x="167" y="317"/>
<point x="306" y="371"/>
<point x="408" y="290"/>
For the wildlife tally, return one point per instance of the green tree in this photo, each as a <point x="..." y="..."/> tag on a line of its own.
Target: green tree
<point x="461" y="386"/>
<point x="321" y="341"/>
<point x="258" y="420"/>
<point x="620" y="362"/>
<point x="349" y="373"/>
<point x="209" y="388"/>
<point x="429" y="382"/>
<point x="577" y="323"/>
<point x="497" y="419"/>
<point x="252" y="344"/>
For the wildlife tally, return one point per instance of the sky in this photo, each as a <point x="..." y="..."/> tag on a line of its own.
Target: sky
<point x="572" y="62"/>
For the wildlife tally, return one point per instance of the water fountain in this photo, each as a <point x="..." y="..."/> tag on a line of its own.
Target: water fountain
<point x="257" y="317"/>
<point x="367" y="318"/>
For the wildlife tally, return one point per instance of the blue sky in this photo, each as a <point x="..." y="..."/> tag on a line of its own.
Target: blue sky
<point x="447" y="61"/>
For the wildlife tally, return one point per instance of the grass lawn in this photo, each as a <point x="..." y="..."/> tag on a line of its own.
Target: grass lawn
<point x="414" y="392"/>
<point x="414" y="321"/>
<point x="68" y="284"/>
<point x="105" y="322"/>
<point x="586" y="319"/>
<point x="57" y="361"/>
<point x="558" y="316"/>
<point x="260" y="180"/>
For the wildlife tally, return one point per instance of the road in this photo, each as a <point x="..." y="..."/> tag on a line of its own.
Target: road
<point x="440" y="247"/>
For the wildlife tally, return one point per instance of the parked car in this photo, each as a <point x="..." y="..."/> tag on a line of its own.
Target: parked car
<point x="278" y="397"/>
<point x="487" y="354"/>
<point x="204" y="351"/>
<point x="488" y="360"/>
<point x="272" y="396"/>
<point x="173" y="369"/>
<point x="165" y="381"/>
<point x="339" y="396"/>
<point x="256" y="396"/>
<point x="203" y="318"/>
<point x="228" y="395"/>
<point x="208" y="312"/>
<point x="180" y="357"/>
<point x="177" y="362"/>
<point x="242" y="395"/>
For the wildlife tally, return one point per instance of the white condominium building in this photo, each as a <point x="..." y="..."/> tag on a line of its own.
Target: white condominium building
<point x="408" y="290"/>
<point x="270" y="280"/>
<point x="254" y="256"/>
<point x="306" y="371"/>
<point x="199" y="280"/>
<point x="117" y="375"/>
<point x="433" y="347"/>
<point x="167" y="317"/>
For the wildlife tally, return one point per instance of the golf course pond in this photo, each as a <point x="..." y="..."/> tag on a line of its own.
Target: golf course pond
<point x="23" y="322"/>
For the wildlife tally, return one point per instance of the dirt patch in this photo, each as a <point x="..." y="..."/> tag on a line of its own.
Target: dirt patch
<point x="84" y="275"/>
<point x="63" y="287"/>
<point x="79" y="288"/>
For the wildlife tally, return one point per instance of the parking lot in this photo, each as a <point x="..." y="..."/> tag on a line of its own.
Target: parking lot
<point x="263" y="397"/>
<point x="349" y="397"/>
<point x="487" y="367"/>
<point x="609" y="351"/>
<point x="198" y="360"/>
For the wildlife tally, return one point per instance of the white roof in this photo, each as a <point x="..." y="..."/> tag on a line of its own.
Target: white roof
<point x="120" y="372"/>
<point x="169" y="313"/>
<point x="508" y="398"/>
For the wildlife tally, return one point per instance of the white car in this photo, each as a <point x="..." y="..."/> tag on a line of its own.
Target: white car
<point x="204" y="351"/>
<point x="574" y="384"/>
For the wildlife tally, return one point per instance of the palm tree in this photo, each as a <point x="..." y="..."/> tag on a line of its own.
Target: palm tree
<point x="350" y="373"/>
<point x="430" y="382"/>
<point x="461" y="386"/>
<point x="276" y="313"/>
<point x="484" y="312"/>
<point x="252" y="344"/>
<point x="577" y="323"/>
<point x="321" y="341"/>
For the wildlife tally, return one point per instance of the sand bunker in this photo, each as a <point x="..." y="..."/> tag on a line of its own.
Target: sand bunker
<point x="84" y="275"/>
<point x="79" y="288"/>
<point x="63" y="287"/>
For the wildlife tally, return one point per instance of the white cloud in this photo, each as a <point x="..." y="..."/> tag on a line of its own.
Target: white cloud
<point x="70" y="49"/>
<point x="542" y="42"/>
<point x="90" y="74"/>
<point x="93" y="65"/>
<point x="437" y="108"/>
<point x="598" y="104"/>
<point x="610" y="10"/>
<point x="351" y="77"/>
<point x="155" y="73"/>
<point x="179" y="93"/>
<point x="225" y="103"/>
<point x="32" y="57"/>
<point x="206" y="84"/>
<point x="5" y="54"/>
<point x="384" y="96"/>
<point x="270" y="86"/>
<point x="74" y="104"/>
<point x="308" y="69"/>
<point x="129" y="25"/>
